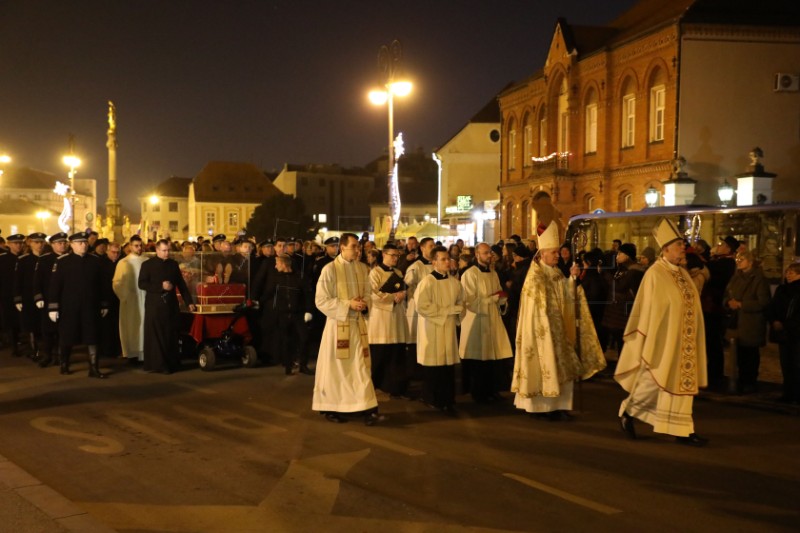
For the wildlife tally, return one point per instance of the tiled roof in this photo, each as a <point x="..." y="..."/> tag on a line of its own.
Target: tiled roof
<point x="232" y="182"/>
<point x="19" y="206"/>
<point x="30" y="178"/>
<point x="174" y="187"/>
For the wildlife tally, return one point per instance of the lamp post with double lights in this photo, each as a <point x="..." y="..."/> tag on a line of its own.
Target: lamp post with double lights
<point x="73" y="162"/>
<point x="388" y="61"/>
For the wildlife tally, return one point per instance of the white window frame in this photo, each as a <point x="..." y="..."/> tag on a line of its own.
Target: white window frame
<point x="658" y="96"/>
<point x="528" y="146"/>
<point x="563" y="132"/>
<point x="628" y="120"/>
<point x="211" y="219"/>
<point x="627" y="203"/>
<point x="591" y="129"/>
<point x="233" y="219"/>
<point x="590" y="205"/>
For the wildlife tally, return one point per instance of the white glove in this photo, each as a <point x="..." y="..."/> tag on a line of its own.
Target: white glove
<point x="307" y="317"/>
<point x="19" y="307"/>
<point x="103" y="312"/>
<point x="53" y="316"/>
<point x="40" y="304"/>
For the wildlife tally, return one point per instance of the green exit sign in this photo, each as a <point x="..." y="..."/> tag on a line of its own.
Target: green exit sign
<point x="464" y="203"/>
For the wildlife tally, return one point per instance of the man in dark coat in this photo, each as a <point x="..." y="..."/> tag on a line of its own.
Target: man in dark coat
<point x="784" y="316"/>
<point x="722" y="267"/>
<point x="622" y="289"/>
<point x="41" y="291"/>
<point x="9" y="312"/>
<point x="30" y="316"/>
<point x="110" y="345"/>
<point x="159" y="277"/>
<point x="290" y="300"/>
<point x="77" y="301"/>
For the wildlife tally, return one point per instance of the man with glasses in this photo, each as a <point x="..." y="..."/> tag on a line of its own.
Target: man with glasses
<point x="388" y="329"/>
<point x="343" y="384"/>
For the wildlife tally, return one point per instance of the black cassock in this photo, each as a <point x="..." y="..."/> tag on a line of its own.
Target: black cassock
<point x="78" y="295"/>
<point x="161" y="313"/>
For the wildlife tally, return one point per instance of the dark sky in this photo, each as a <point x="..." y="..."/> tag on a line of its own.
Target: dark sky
<point x="269" y="82"/>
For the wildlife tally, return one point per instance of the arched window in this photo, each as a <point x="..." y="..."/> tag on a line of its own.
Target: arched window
<point x="626" y="202"/>
<point x="526" y="218"/>
<point x="590" y="123"/>
<point x="509" y="214"/>
<point x="658" y="95"/>
<point x="527" y="146"/>
<point x="542" y="132"/>
<point x="512" y="145"/>
<point x="563" y="118"/>
<point x="628" y="114"/>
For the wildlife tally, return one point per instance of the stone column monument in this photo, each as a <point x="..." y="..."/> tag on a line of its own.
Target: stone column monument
<point x="113" y="205"/>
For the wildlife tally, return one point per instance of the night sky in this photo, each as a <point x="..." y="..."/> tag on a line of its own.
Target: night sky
<point x="268" y="82"/>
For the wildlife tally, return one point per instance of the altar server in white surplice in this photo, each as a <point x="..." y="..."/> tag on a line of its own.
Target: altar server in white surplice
<point x="343" y="384"/>
<point x="440" y="303"/>
<point x="484" y="346"/>
<point x="414" y="274"/>
<point x="131" y="301"/>
<point x="388" y="329"/>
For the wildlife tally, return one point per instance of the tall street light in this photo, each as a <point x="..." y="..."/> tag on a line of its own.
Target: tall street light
<point x="73" y="162"/>
<point x="388" y="60"/>
<point x="4" y="160"/>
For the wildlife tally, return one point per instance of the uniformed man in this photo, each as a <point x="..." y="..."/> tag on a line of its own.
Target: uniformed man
<point x="30" y="318"/>
<point x="76" y="301"/>
<point x="48" y="344"/>
<point x="10" y="314"/>
<point x="318" y="318"/>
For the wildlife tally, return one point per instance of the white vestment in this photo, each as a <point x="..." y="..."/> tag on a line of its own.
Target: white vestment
<point x="343" y="382"/>
<point x="131" y="305"/>
<point x="440" y="304"/>
<point x="483" y="334"/>
<point x="414" y="274"/>
<point x="387" y="319"/>
<point x="663" y="361"/>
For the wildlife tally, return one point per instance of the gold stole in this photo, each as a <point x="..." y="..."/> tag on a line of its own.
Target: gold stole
<point x="343" y="327"/>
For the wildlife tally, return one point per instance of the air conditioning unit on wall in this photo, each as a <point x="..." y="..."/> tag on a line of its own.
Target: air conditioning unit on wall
<point x="785" y="83"/>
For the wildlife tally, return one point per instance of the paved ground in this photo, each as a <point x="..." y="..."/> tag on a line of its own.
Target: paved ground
<point x="240" y="450"/>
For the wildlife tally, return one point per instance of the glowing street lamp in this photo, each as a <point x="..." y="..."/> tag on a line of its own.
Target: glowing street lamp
<point x="4" y="160"/>
<point x="725" y="193"/>
<point x="651" y="197"/>
<point x="43" y="216"/>
<point x="154" y="199"/>
<point x="73" y="162"/>
<point x="388" y="59"/>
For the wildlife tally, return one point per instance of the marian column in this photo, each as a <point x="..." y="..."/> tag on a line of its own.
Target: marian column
<point x="112" y="203"/>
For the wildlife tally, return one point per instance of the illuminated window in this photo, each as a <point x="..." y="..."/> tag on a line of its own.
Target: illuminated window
<point x="627" y="202"/>
<point x="211" y="219"/>
<point x="628" y="120"/>
<point x="543" y="137"/>
<point x="233" y="219"/>
<point x="527" y="152"/>
<point x="657" y="99"/>
<point x="512" y="149"/>
<point x="591" y="129"/>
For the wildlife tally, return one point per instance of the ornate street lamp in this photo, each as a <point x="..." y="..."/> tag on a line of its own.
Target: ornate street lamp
<point x="73" y="162"/>
<point x="388" y="60"/>
<point x="725" y="193"/>
<point x="651" y="197"/>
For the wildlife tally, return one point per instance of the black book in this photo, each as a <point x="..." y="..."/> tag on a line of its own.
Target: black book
<point x="394" y="284"/>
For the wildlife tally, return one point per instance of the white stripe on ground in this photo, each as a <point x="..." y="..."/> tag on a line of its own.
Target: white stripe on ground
<point x="599" y="507"/>
<point x="389" y="445"/>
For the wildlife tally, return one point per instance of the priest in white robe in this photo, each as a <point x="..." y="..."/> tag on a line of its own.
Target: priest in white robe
<point x="484" y="345"/>
<point x="131" y="301"/>
<point x="547" y="363"/>
<point x="415" y="272"/>
<point x="440" y="304"/>
<point x="663" y="361"/>
<point x="343" y="384"/>
<point x="388" y="328"/>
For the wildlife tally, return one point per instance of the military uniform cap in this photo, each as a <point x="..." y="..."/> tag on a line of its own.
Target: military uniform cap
<point x="37" y="236"/>
<point x="17" y="237"/>
<point x="79" y="237"/>
<point x="331" y="241"/>
<point x="58" y="237"/>
<point x="219" y="237"/>
<point x="266" y="242"/>
<point x="99" y="242"/>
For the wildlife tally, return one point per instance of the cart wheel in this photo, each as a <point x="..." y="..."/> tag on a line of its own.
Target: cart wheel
<point x="250" y="357"/>
<point x="207" y="358"/>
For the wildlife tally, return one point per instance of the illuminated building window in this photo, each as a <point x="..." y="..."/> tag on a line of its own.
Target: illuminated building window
<point x="628" y="120"/>
<point x="657" y="99"/>
<point x="591" y="129"/>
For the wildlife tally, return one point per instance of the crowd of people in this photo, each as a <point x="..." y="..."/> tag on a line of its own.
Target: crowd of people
<point x="523" y="317"/>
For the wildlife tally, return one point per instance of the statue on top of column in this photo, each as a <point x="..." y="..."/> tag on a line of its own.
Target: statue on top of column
<point x="112" y="117"/>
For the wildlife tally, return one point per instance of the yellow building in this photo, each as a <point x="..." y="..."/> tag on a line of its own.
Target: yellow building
<point x="166" y="209"/>
<point x="615" y="110"/>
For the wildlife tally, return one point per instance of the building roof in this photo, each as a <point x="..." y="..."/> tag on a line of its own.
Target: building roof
<point x="20" y="206"/>
<point x="412" y="192"/>
<point x="232" y="182"/>
<point x="30" y="178"/>
<point x="174" y="187"/>
<point x="327" y="169"/>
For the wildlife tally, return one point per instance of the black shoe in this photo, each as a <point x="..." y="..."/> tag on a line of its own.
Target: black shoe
<point x="626" y="423"/>
<point x="95" y="373"/>
<point x="45" y="362"/>
<point x="560" y="416"/>
<point x="307" y="371"/>
<point x="692" y="440"/>
<point x="373" y="418"/>
<point x="65" y="370"/>
<point x="335" y="418"/>
<point x="540" y="416"/>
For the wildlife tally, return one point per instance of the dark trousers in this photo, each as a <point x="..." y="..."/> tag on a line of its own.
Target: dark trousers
<point x="748" y="359"/>
<point x="715" y="324"/>
<point x="290" y="337"/>
<point x="790" y="367"/>
<point x="484" y="378"/>
<point x="389" y="368"/>
<point x="439" y="385"/>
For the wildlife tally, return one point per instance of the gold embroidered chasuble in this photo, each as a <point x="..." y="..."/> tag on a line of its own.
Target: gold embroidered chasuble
<point x="546" y="355"/>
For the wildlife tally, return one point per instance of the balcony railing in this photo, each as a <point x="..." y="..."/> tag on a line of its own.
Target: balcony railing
<point x="557" y="163"/>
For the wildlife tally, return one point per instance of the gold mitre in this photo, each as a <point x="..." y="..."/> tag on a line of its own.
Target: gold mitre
<point x="666" y="232"/>
<point x="549" y="237"/>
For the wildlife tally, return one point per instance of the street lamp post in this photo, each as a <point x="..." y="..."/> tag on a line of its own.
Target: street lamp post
<point x="73" y="162"/>
<point x="388" y="60"/>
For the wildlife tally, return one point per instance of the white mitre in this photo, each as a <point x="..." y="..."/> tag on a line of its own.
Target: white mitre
<point x="666" y="232"/>
<point x="549" y="237"/>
